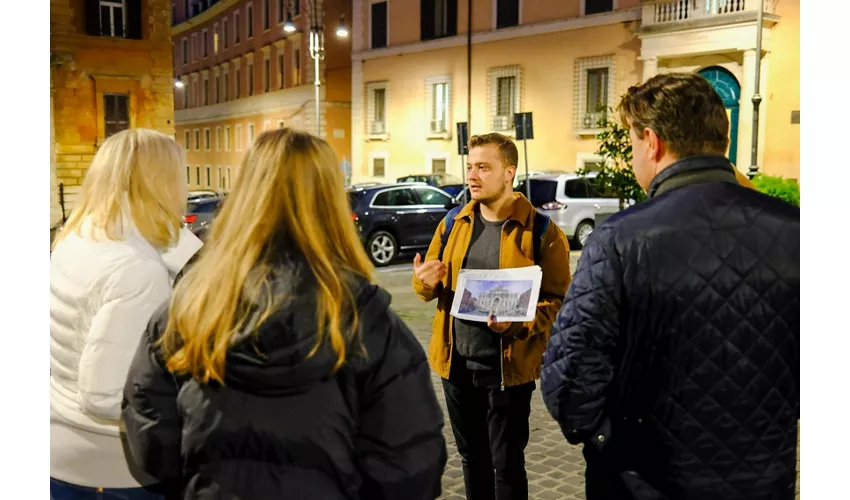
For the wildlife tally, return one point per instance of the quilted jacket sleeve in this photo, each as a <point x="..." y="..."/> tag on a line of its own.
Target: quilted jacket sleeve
<point x="400" y="445"/>
<point x="150" y="408"/>
<point x="579" y="363"/>
<point x="129" y="298"/>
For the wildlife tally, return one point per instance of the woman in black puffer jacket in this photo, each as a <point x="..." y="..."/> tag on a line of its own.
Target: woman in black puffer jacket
<point x="278" y="370"/>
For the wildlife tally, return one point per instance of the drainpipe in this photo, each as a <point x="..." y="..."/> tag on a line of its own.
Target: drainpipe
<point x="754" y="168"/>
<point x="469" y="66"/>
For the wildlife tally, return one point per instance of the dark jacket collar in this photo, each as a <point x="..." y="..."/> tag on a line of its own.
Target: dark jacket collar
<point x="693" y="170"/>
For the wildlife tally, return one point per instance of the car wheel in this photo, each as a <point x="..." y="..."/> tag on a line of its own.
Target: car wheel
<point x="583" y="232"/>
<point x="382" y="248"/>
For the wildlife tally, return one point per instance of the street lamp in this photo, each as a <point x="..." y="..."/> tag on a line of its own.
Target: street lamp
<point x="178" y="84"/>
<point x="289" y="27"/>
<point x="342" y="29"/>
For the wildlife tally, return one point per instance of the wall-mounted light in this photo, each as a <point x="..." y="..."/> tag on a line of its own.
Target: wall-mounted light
<point x="178" y="84"/>
<point x="289" y="27"/>
<point x="342" y="29"/>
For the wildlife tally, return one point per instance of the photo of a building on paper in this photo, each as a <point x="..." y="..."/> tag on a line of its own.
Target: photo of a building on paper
<point x="500" y="298"/>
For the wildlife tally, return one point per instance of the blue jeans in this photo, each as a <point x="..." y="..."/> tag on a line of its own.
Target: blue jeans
<point x="60" y="490"/>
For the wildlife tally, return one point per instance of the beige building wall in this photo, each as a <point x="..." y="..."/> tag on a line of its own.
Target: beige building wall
<point x="549" y="57"/>
<point x="782" y="136"/>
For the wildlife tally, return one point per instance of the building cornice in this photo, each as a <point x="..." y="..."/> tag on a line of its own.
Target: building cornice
<point x="204" y="17"/>
<point x="527" y="30"/>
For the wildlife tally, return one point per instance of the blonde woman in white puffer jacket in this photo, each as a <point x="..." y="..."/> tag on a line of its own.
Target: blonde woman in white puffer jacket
<point x="111" y="267"/>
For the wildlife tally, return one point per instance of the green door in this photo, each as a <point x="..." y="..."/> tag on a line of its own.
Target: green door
<point x="727" y="86"/>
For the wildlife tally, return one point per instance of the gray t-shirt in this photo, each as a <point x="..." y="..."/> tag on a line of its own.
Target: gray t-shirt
<point x="474" y="340"/>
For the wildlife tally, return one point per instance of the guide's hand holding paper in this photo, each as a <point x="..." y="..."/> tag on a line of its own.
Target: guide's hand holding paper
<point x="508" y="294"/>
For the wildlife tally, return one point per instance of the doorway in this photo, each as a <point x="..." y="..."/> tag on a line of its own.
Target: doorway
<point x="727" y="86"/>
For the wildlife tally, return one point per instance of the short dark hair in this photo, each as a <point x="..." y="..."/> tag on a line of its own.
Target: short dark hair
<point x="683" y="109"/>
<point x="507" y="148"/>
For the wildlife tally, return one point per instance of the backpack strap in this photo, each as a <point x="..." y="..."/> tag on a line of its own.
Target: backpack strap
<point x="541" y="225"/>
<point x="447" y="230"/>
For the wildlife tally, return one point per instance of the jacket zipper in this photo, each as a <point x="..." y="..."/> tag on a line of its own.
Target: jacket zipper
<point x="501" y="338"/>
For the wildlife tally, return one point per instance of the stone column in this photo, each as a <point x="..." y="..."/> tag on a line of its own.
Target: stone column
<point x="745" y="117"/>
<point x="650" y="67"/>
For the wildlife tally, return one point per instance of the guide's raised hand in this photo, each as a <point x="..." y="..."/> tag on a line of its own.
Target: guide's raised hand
<point x="430" y="273"/>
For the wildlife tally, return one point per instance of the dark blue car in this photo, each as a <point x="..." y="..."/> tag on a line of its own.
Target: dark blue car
<point x="444" y="181"/>
<point x="397" y="218"/>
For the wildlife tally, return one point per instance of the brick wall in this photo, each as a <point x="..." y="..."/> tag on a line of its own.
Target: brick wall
<point x="84" y="68"/>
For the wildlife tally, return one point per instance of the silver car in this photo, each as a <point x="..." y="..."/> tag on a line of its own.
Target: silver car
<point x="571" y="201"/>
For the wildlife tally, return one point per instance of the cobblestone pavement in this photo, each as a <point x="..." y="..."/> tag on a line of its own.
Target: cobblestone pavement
<point x="555" y="468"/>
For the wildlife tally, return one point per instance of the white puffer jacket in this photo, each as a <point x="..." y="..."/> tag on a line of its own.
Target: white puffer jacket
<point x="102" y="294"/>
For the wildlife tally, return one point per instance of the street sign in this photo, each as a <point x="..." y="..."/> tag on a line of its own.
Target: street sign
<point x="524" y="129"/>
<point x="463" y="149"/>
<point x="462" y="137"/>
<point x="523" y="126"/>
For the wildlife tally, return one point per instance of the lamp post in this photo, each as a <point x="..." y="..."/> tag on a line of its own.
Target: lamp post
<point x="317" y="50"/>
<point x="754" y="168"/>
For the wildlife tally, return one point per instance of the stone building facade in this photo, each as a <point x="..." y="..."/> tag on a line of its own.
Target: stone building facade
<point x="110" y="69"/>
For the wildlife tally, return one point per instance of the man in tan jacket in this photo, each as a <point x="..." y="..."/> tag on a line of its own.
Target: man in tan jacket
<point x="489" y="369"/>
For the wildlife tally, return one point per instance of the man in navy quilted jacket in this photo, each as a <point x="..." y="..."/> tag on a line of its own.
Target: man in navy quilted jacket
<point x="675" y="358"/>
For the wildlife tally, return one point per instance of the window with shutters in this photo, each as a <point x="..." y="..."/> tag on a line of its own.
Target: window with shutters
<point x="114" y="18"/>
<point x="266" y="20"/>
<point x="116" y="113"/>
<point x="296" y="74"/>
<point x="238" y="135"/>
<point x="188" y="174"/>
<point x="250" y="79"/>
<point x="376" y="108"/>
<point x="281" y="10"/>
<point x="236" y="27"/>
<point x="198" y="175"/>
<point x="250" y="134"/>
<point x="193" y="48"/>
<point x="206" y="87"/>
<point x="238" y="83"/>
<point x="438" y="165"/>
<point x="594" y="87"/>
<point x="217" y="89"/>
<point x="507" y="13"/>
<point x="209" y="176"/>
<point x="205" y="43"/>
<point x="188" y="140"/>
<point x="378" y="25"/>
<point x="227" y="138"/>
<point x="224" y="33"/>
<point x="197" y="140"/>
<point x="185" y="90"/>
<point x="597" y="6"/>
<point x="216" y="41"/>
<point x="185" y="46"/>
<point x="438" y="97"/>
<point x="226" y="86"/>
<point x="267" y="69"/>
<point x="379" y="164"/>
<point x="438" y="19"/>
<point x="207" y="139"/>
<point x="296" y="7"/>
<point x="280" y="73"/>
<point x="218" y="139"/>
<point x="249" y="21"/>
<point x="504" y="97"/>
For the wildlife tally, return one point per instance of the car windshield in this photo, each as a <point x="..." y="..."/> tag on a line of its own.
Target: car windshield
<point x="541" y="191"/>
<point x="201" y="208"/>
<point x="448" y="180"/>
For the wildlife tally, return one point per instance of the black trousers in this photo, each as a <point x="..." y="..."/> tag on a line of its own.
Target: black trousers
<point x="491" y="430"/>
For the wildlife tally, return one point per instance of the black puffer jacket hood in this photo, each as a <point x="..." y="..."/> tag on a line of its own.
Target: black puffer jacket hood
<point x="283" y="425"/>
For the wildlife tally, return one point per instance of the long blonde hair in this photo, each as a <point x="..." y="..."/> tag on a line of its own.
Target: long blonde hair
<point x="145" y="168"/>
<point x="289" y="187"/>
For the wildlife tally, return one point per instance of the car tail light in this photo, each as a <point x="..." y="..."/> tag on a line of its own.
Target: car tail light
<point x="189" y="219"/>
<point x="553" y="205"/>
<point x="354" y="216"/>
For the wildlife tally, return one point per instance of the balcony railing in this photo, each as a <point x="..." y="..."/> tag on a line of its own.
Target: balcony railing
<point x="674" y="11"/>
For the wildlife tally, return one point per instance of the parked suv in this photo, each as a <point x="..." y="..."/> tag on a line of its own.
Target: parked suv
<point x="397" y="218"/>
<point x="571" y="201"/>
